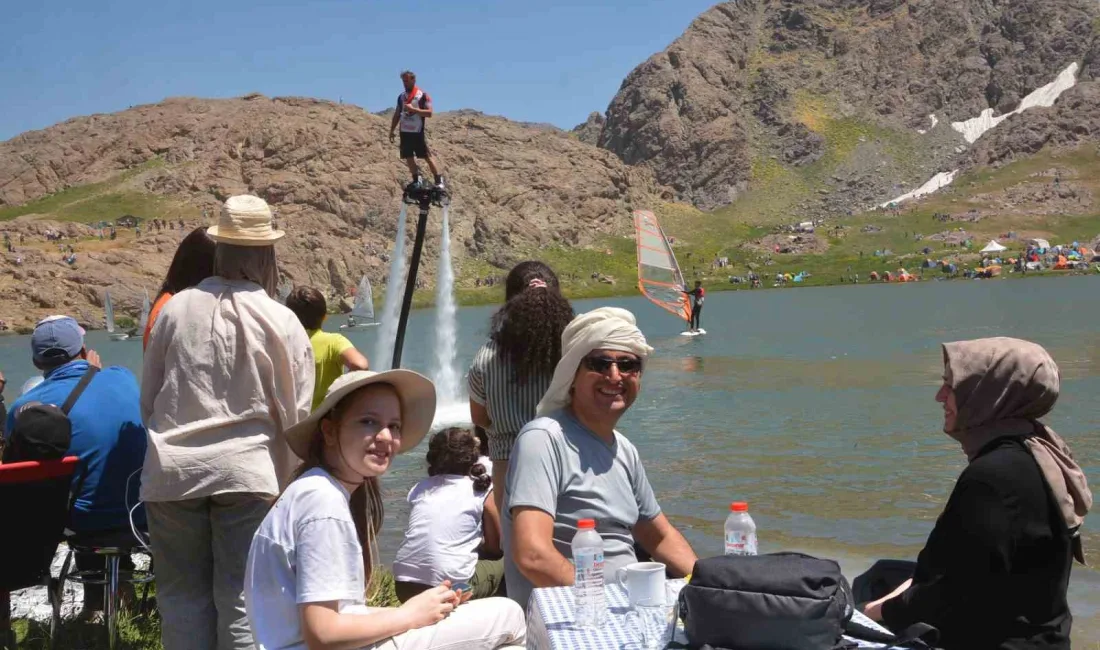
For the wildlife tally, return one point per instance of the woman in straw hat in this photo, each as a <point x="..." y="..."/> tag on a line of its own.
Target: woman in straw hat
<point x="315" y="552"/>
<point x="995" y="570"/>
<point x="228" y="371"/>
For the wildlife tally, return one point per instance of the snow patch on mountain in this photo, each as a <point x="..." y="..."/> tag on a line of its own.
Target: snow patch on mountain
<point x="1045" y="97"/>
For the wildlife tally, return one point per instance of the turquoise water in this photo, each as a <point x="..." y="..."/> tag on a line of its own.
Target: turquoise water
<point x="814" y="405"/>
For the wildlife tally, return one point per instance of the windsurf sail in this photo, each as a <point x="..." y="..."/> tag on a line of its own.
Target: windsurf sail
<point x="659" y="277"/>
<point x="283" y="290"/>
<point x="146" y="307"/>
<point x="364" y="300"/>
<point x="109" y="313"/>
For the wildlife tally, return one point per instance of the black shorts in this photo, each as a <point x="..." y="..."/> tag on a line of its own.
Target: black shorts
<point x="413" y="144"/>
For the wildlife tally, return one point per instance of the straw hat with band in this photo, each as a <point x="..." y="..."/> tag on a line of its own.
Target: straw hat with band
<point x="245" y="220"/>
<point x="417" y="395"/>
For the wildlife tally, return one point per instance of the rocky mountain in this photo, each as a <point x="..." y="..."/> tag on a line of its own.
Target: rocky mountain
<point x="1073" y="120"/>
<point x="327" y="168"/>
<point x="589" y="131"/>
<point x="844" y="88"/>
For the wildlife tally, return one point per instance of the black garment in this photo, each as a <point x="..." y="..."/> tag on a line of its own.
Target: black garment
<point x="413" y="144"/>
<point x="696" y="315"/>
<point x="995" y="570"/>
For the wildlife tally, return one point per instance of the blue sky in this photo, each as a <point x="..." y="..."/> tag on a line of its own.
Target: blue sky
<point x="552" y="61"/>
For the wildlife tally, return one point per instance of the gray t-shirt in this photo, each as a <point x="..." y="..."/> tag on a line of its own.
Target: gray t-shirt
<point x="562" y="468"/>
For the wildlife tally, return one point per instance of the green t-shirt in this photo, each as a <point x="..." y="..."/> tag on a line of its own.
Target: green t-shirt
<point x="327" y="348"/>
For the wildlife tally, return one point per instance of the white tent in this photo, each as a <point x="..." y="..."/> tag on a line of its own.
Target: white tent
<point x="993" y="247"/>
<point x="1040" y="243"/>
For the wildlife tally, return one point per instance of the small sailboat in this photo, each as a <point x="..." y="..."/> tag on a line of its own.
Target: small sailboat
<point x="283" y="290"/>
<point x="362" y="312"/>
<point x="138" y="333"/>
<point x="109" y="316"/>
<point x="659" y="276"/>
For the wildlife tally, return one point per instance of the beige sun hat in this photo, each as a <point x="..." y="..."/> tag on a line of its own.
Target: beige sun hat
<point x="245" y="220"/>
<point x="416" y="391"/>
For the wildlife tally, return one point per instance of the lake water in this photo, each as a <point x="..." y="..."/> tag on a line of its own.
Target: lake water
<point x="814" y="405"/>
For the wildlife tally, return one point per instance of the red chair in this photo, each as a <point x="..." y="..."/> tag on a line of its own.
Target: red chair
<point x="35" y="499"/>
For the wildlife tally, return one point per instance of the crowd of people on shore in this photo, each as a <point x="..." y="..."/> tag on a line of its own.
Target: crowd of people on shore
<point x="257" y="443"/>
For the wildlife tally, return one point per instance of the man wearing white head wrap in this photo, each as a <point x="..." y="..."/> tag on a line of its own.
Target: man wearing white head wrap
<point x="571" y="464"/>
<point x="605" y="328"/>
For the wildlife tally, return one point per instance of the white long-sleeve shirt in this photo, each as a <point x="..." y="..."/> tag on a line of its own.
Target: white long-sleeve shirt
<point x="227" y="371"/>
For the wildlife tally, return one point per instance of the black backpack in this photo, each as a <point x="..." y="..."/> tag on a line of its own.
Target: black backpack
<point x="44" y="431"/>
<point x="778" y="601"/>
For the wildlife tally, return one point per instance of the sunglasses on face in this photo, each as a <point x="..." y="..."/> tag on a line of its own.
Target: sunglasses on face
<point x="603" y="365"/>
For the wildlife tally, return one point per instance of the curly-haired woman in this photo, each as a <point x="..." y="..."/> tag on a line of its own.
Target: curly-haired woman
<point x="513" y="369"/>
<point x="451" y="520"/>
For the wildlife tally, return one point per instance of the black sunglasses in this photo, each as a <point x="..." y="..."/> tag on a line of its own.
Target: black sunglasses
<point x="603" y="364"/>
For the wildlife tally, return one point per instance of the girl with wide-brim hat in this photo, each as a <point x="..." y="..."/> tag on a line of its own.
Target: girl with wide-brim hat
<point x="314" y="554"/>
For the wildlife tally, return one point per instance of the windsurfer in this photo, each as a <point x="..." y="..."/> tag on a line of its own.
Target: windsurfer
<point x="698" y="295"/>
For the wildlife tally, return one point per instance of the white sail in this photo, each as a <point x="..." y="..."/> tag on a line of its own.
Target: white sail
<point x="283" y="290"/>
<point x="364" y="300"/>
<point x="146" y="307"/>
<point x="109" y="313"/>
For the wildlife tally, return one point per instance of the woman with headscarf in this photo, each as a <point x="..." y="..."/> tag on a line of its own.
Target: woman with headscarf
<point x="513" y="369"/>
<point x="995" y="570"/>
<point x="571" y="464"/>
<point x="227" y="371"/>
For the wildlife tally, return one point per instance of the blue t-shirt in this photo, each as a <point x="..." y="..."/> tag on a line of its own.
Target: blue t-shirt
<point x="108" y="436"/>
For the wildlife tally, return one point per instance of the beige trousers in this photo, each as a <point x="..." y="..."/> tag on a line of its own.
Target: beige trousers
<point x="484" y="624"/>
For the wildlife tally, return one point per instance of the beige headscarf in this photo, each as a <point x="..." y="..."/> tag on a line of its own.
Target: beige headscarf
<point x="1002" y="386"/>
<point x="606" y="328"/>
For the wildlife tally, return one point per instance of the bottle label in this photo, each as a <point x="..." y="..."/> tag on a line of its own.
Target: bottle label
<point x="739" y="542"/>
<point x="588" y="566"/>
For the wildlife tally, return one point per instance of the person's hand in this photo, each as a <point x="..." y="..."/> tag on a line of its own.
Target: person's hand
<point x="94" y="360"/>
<point x="873" y="609"/>
<point x="431" y="606"/>
<point x="392" y="136"/>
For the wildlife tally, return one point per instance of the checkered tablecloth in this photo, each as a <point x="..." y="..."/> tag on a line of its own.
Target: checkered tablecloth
<point x="550" y="623"/>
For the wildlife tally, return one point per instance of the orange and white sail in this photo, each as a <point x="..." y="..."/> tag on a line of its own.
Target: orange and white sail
<point x="659" y="276"/>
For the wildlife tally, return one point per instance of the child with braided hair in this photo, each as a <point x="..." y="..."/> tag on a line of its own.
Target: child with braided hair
<point x="452" y="522"/>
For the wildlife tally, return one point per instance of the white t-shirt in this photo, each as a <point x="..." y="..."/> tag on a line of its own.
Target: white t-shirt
<point x="305" y="551"/>
<point x="444" y="531"/>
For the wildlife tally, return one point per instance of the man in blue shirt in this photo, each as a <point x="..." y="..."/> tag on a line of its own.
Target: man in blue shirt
<point x="107" y="433"/>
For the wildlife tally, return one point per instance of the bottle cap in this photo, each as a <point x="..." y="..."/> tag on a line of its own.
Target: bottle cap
<point x="739" y="506"/>
<point x="585" y="524"/>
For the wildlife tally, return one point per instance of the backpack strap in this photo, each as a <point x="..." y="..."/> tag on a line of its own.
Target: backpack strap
<point x="79" y="389"/>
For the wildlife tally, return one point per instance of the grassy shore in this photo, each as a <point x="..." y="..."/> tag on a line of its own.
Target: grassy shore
<point x="138" y="631"/>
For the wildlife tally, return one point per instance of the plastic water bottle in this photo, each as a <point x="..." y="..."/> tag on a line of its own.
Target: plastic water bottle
<point x="588" y="577"/>
<point x="740" y="530"/>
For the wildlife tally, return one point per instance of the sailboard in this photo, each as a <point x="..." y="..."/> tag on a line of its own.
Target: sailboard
<point x="362" y="311"/>
<point x="146" y="307"/>
<point x="659" y="276"/>
<point x="109" y="316"/>
<point x="282" y="291"/>
<point x="109" y="313"/>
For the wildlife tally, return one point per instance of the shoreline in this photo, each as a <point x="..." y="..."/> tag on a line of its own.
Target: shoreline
<point x="480" y="297"/>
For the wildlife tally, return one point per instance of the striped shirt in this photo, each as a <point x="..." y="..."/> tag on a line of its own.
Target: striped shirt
<point x="511" y="404"/>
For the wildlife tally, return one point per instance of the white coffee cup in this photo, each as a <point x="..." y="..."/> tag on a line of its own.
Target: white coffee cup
<point x="643" y="581"/>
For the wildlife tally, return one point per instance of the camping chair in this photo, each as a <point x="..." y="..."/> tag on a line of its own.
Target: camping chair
<point x="114" y="545"/>
<point x="35" y="498"/>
